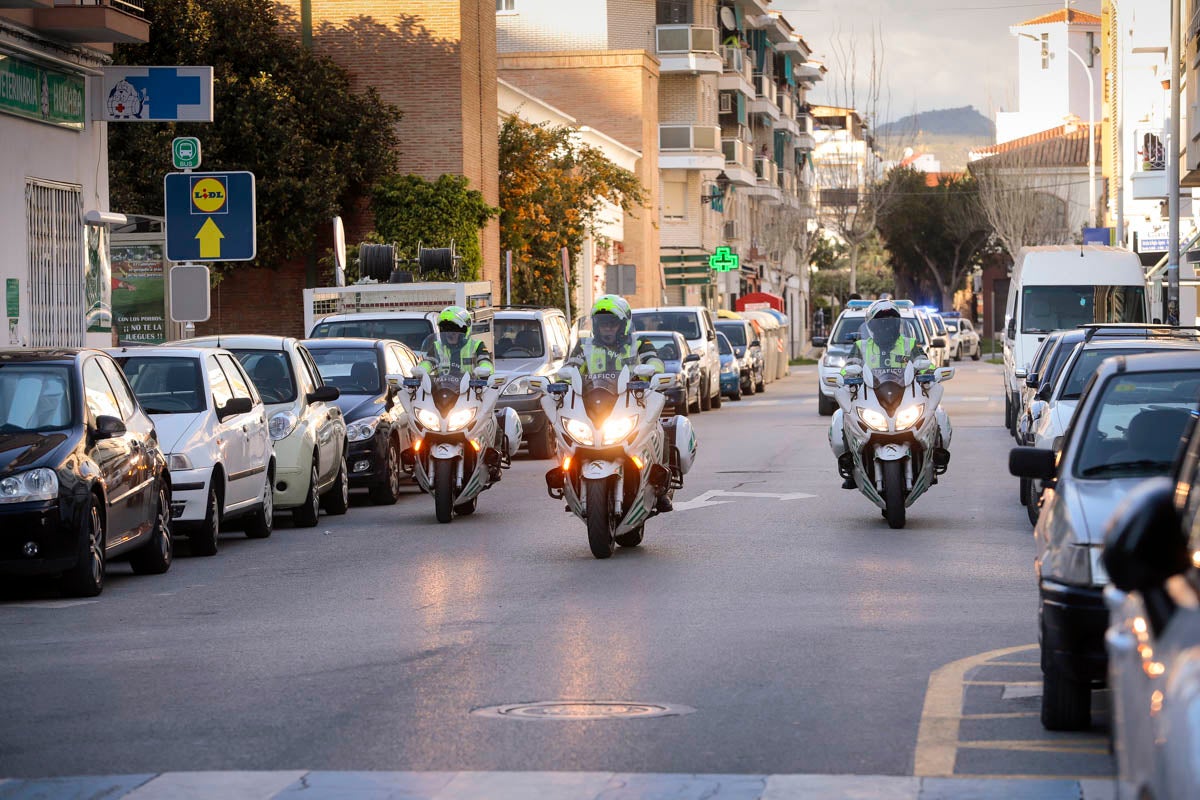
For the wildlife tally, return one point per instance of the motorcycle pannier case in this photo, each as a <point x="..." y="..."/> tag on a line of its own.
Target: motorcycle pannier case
<point x="685" y="441"/>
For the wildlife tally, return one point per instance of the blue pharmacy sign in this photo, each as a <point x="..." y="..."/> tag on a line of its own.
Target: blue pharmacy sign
<point x="157" y="94"/>
<point x="210" y="216"/>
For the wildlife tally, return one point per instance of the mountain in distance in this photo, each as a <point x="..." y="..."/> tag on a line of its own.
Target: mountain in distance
<point x="947" y="133"/>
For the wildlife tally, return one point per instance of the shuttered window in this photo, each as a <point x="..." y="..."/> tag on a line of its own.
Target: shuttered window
<point x="57" y="306"/>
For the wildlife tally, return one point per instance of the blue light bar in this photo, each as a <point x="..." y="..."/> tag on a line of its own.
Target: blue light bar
<point x="859" y="303"/>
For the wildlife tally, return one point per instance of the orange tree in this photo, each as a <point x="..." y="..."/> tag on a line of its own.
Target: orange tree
<point x="553" y="191"/>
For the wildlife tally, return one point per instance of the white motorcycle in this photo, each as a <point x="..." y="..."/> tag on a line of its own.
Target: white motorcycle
<point x="617" y="459"/>
<point x="460" y="443"/>
<point x="889" y="434"/>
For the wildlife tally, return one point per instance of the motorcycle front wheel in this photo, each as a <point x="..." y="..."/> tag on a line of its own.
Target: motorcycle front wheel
<point x="893" y="493"/>
<point x="443" y="489"/>
<point x="599" y="526"/>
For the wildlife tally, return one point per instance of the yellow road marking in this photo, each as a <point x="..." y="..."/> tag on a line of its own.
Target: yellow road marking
<point x="937" y="736"/>
<point x="1091" y="745"/>
<point x="1003" y="715"/>
<point x="1014" y="664"/>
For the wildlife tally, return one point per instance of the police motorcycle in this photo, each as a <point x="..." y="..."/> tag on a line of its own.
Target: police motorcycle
<point x="889" y="434"/>
<point x="460" y="442"/>
<point x="618" y="461"/>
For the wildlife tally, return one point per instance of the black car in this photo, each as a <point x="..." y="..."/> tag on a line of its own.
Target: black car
<point x="678" y="360"/>
<point x="82" y="477"/>
<point x="368" y="373"/>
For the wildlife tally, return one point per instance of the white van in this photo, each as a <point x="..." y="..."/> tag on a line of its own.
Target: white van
<point x="1064" y="286"/>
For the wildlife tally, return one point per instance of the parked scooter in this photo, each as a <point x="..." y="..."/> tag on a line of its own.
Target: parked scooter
<point x="618" y="460"/>
<point x="460" y="443"/>
<point x="889" y="434"/>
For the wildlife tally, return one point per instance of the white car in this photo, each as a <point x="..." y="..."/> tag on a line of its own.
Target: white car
<point x="410" y="328"/>
<point x="964" y="341"/>
<point x="305" y="424"/>
<point x="697" y="326"/>
<point x="212" y="425"/>
<point x="937" y="348"/>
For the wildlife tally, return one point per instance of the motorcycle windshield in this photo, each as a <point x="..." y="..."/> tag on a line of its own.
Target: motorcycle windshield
<point x="600" y="395"/>
<point x="447" y="385"/>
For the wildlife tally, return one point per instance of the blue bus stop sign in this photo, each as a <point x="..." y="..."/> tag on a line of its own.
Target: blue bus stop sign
<point x="210" y="216"/>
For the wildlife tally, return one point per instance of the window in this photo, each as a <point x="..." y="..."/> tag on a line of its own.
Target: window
<point x="34" y="397"/>
<point x="271" y="372"/>
<point x="1051" y="308"/>
<point x="674" y="202"/>
<point x="233" y="373"/>
<point x="99" y="395"/>
<point x="672" y="12"/>
<point x="506" y="5"/>
<point x="352" y="370"/>
<point x="1045" y="51"/>
<point x="57" y="310"/>
<point x="221" y="392"/>
<point x="165" y="385"/>
<point x="120" y="389"/>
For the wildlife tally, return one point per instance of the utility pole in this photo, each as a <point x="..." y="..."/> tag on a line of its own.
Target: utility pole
<point x="1173" y="142"/>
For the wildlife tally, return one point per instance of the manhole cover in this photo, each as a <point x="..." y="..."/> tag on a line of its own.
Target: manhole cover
<point x="582" y="710"/>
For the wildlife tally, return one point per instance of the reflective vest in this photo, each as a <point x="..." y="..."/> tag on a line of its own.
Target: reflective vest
<point x="471" y="353"/>
<point x="599" y="359"/>
<point x="875" y="358"/>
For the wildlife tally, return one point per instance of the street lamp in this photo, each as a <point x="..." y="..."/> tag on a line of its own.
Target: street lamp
<point x="717" y="196"/>
<point x="1091" y="127"/>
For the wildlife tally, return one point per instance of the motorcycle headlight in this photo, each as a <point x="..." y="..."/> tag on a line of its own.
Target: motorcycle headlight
<point x="909" y="416"/>
<point x="579" y="431"/>
<point x="835" y="361"/>
<point x="615" y="430"/>
<point x="429" y="419"/>
<point x="873" y="419"/>
<point x="24" y="487"/>
<point x="518" y="386"/>
<point x="178" y="461"/>
<point x="282" y="423"/>
<point x="362" y="430"/>
<point x="460" y="419"/>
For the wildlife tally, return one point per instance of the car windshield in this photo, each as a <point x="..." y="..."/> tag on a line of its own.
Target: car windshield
<point x="271" y="371"/>
<point x="667" y="347"/>
<point x="951" y="325"/>
<point x="519" y="338"/>
<point x="1137" y="424"/>
<point x="35" y="397"/>
<point x="1050" y="308"/>
<point x="1086" y="365"/>
<point x="723" y="346"/>
<point x="939" y="325"/>
<point x="411" y="331"/>
<point x="684" y="322"/>
<point x="735" y="333"/>
<point x="845" y="330"/>
<point x="164" y="384"/>
<point x="353" y="370"/>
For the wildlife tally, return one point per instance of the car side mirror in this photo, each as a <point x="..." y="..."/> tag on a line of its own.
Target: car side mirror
<point x="712" y="336"/>
<point x="757" y="343"/>
<point x="108" y="427"/>
<point x="1033" y="462"/>
<point x="235" y="406"/>
<point x="939" y="342"/>
<point x="326" y="394"/>
<point x="1031" y="380"/>
<point x="818" y="341"/>
<point x="1044" y="392"/>
<point x="691" y="358"/>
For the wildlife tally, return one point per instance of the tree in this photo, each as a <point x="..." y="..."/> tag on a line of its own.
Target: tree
<point x="934" y="233"/>
<point x="280" y="111"/>
<point x="411" y="211"/>
<point x="554" y="191"/>
<point x="832" y="278"/>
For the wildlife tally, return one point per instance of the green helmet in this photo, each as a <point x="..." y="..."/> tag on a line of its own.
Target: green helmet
<point x="454" y="319"/>
<point x="611" y="305"/>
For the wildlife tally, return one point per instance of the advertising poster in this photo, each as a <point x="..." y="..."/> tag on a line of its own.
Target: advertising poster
<point x="139" y="293"/>
<point x="98" y="281"/>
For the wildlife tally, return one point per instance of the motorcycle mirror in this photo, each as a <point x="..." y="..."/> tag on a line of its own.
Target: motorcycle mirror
<point x="945" y="374"/>
<point x="853" y="371"/>
<point x="922" y="364"/>
<point x="482" y="372"/>
<point x="643" y="371"/>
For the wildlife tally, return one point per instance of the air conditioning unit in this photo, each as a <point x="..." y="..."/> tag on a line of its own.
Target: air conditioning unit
<point x="731" y="230"/>
<point x="725" y="103"/>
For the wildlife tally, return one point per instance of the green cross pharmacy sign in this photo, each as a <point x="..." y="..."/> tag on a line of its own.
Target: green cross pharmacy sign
<point x="36" y="92"/>
<point x="723" y="260"/>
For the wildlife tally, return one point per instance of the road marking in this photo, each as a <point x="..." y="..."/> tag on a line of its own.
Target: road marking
<point x="1002" y="683"/>
<point x="1003" y="715"/>
<point x="50" y="604"/>
<point x="1017" y="691"/>
<point x="937" y="736"/>
<point x="709" y="498"/>
<point x="1092" y="745"/>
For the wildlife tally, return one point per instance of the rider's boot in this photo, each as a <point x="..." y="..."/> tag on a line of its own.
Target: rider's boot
<point x="664" y="503"/>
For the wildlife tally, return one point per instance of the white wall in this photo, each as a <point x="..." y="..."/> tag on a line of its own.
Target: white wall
<point x="543" y="25"/>
<point x="1047" y="96"/>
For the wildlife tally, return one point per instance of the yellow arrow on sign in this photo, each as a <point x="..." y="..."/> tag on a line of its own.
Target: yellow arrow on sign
<point x="210" y="237"/>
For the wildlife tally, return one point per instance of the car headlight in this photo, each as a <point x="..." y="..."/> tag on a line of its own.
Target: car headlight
<point x="36" y="484"/>
<point x="614" y="430"/>
<point x="836" y="361"/>
<point x="1099" y="573"/>
<point x="909" y="416"/>
<point x="429" y="419"/>
<point x="361" y="430"/>
<point x="1071" y="564"/>
<point x="178" y="461"/>
<point x="579" y="430"/>
<point x="728" y="368"/>
<point x="873" y="419"/>
<point x="518" y="386"/>
<point x="282" y="423"/>
<point x="460" y="419"/>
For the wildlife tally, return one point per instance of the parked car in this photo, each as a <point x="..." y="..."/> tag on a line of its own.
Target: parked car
<point x="307" y="428"/>
<point x="696" y="325"/>
<point x="936" y="346"/>
<point x="1127" y="428"/>
<point x="83" y="480"/>
<point x="964" y="341"/>
<point x="1044" y="369"/>
<point x="410" y="328"/>
<point x="530" y="342"/>
<point x="368" y="374"/>
<point x="212" y="425"/>
<point x="684" y="395"/>
<point x="748" y="349"/>
<point x="731" y="374"/>
<point x="1153" y="636"/>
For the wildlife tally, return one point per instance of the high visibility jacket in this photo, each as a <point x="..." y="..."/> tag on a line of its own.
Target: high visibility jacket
<point x="595" y="358"/>
<point x="470" y="354"/>
<point x="872" y="356"/>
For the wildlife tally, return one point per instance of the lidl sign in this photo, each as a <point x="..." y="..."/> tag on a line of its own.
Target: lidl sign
<point x="724" y="260"/>
<point x="210" y="216"/>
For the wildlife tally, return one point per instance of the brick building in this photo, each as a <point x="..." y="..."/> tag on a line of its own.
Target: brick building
<point x="436" y="61"/>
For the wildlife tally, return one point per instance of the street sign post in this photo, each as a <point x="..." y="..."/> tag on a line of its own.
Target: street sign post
<point x="185" y="152"/>
<point x="210" y="216"/>
<point x="190" y="295"/>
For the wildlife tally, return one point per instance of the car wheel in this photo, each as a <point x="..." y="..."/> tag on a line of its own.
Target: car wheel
<point x="261" y="522"/>
<point x="542" y="446"/>
<point x="387" y="492"/>
<point x="705" y="397"/>
<point x="1033" y="504"/>
<point x="736" y="394"/>
<point x="683" y="406"/>
<point x="761" y="386"/>
<point x="1008" y="410"/>
<point x="154" y="557"/>
<point x="305" y="515"/>
<point x="203" y="540"/>
<point x="336" y="500"/>
<point x="86" y="578"/>
<point x="748" y="386"/>
<point x="978" y="353"/>
<point x="1066" y="702"/>
<point x="958" y="354"/>
<point x="825" y="405"/>
<point x="1023" y="491"/>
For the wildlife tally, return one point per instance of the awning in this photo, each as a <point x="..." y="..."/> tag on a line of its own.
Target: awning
<point x="756" y="298"/>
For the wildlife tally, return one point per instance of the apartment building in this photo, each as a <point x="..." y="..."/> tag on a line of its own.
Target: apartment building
<point x="713" y="95"/>
<point x="55" y="167"/>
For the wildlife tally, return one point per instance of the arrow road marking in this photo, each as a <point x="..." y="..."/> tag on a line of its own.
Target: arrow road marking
<point x="210" y="237"/>
<point x="710" y="498"/>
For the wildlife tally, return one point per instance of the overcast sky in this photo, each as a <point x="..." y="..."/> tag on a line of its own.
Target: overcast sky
<point x="937" y="53"/>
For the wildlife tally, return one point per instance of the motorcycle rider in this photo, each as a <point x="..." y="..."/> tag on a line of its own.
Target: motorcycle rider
<point x="885" y="345"/>
<point x="453" y="346"/>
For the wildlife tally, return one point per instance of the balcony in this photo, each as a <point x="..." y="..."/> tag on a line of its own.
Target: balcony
<point x="739" y="161"/>
<point x="766" y="95"/>
<point x="686" y="146"/>
<point x="688" y="48"/>
<point x="739" y="70"/>
<point x="1149" y="178"/>
<point x="88" y="21"/>
<point x="767" y="172"/>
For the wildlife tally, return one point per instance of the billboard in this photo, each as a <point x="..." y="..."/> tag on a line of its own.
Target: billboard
<point x="139" y="296"/>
